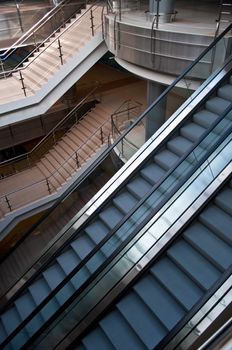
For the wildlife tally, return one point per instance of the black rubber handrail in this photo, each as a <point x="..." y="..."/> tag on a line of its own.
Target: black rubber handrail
<point x="127" y="240"/>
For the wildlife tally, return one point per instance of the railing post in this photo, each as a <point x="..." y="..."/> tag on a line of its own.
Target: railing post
<point x="2" y="68"/>
<point x="35" y="42"/>
<point x="60" y="52"/>
<point x="54" y="136"/>
<point x="101" y="135"/>
<point x="77" y="160"/>
<point x="19" y="16"/>
<point x="23" y="85"/>
<point x="157" y="14"/>
<point x="8" y="203"/>
<point x="122" y="147"/>
<point x="48" y="186"/>
<point x="91" y="20"/>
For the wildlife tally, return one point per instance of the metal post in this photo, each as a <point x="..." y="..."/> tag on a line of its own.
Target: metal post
<point x="2" y="68"/>
<point x="23" y="85"/>
<point x="48" y="186"/>
<point x="120" y="10"/>
<point x="91" y="20"/>
<point x="8" y="203"/>
<point x="54" y="136"/>
<point x="19" y="16"/>
<point x="157" y="14"/>
<point x="35" y="42"/>
<point x="77" y="160"/>
<point x="102" y="137"/>
<point x="60" y="52"/>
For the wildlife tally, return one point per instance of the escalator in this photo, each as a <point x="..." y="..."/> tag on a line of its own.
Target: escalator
<point x="185" y="274"/>
<point x="112" y="220"/>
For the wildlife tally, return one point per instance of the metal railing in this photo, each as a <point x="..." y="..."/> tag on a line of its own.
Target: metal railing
<point x="29" y="159"/>
<point x="51" y="21"/>
<point x="57" y="44"/>
<point x="121" y="120"/>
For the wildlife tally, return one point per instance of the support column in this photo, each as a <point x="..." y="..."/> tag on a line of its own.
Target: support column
<point x="166" y="9"/>
<point x="156" y="117"/>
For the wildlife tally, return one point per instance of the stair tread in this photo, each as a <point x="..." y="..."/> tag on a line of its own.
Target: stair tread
<point x="179" y="145"/>
<point x="97" y="336"/>
<point x="139" y="187"/>
<point x="225" y="92"/>
<point x="205" y="118"/>
<point x="148" y="327"/>
<point x="125" y="201"/>
<point x="166" y="159"/>
<point x="217" y="105"/>
<point x="194" y="264"/>
<point x="177" y="282"/>
<point x="192" y="131"/>
<point x="120" y="333"/>
<point x="210" y="245"/>
<point x="111" y="216"/>
<point x="217" y="220"/>
<point x="152" y="173"/>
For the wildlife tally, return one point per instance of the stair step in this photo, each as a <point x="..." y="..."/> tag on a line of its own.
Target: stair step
<point x="10" y="320"/>
<point x="97" y="336"/>
<point x="166" y="159"/>
<point x="195" y="265"/>
<point x="68" y="261"/>
<point x="205" y="118"/>
<point x="119" y="332"/>
<point x="125" y="201"/>
<point x="218" y="221"/>
<point x="176" y="282"/>
<point x="217" y="105"/>
<point x="152" y="173"/>
<point x="54" y="275"/>
<point x="111" y="216"/>
<point x="192" y="131"/>
<point x="179" y="145"/>
<point x="209" y="245"/>
<point x="25" y="305"/>
<point x="83" y="245"/>
<point x="139" y="187"/>
<point x="141" y="319"/>
<point x="225" y="92"/>
<point x="162" y="304"/>
<point x="223" y="200"/>
<point x="39" y="291"/>
<point x="97" y="230"/>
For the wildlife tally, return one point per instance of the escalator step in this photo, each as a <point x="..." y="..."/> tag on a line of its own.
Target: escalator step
<point x="194" y="264"/>
<point x="179" y="145"/>
<point x="177" y="282"/>
<point x="55" y="275"/>
<point x="152" y="173"/>
<point x="96" y="340"/>
<point x="125" y="201"/>
<point x="139" y="187"/>
<point x="225" y="92"/>
<point x="3" y="333"/>
<point x="39" y="291"/>
<point x="192" y="131"/>
<point x="11" y="320"/>
<point x="205" y="118"/>
<point x="224" y="200"/>
<point x="141" y="318"/>
<point x="83" y="245"/>
<point x="111" y="216"/>
<point x="212" y="247"/>
<point x="217" y="105"/>
<point x="97" y="230"/>
<point x="166" y="159"/>
<point x="218" y="221"/>
<point x="119" y="332"/>
<point x="25" y="305"/>
<point x="162" y="304"/>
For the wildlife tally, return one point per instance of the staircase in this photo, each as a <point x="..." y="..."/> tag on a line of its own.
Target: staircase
<point x="225" y="14"/>
<point x="59" y="164"/>
<point x="147" y="177"/>
<point x="50" y="57"/>
<point x="173" y="284"/>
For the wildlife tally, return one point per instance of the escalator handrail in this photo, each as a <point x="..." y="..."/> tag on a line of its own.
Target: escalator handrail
<point x="112" y="232"/>
<point x="69" y="301"/>
<point x="46" y="18"/>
